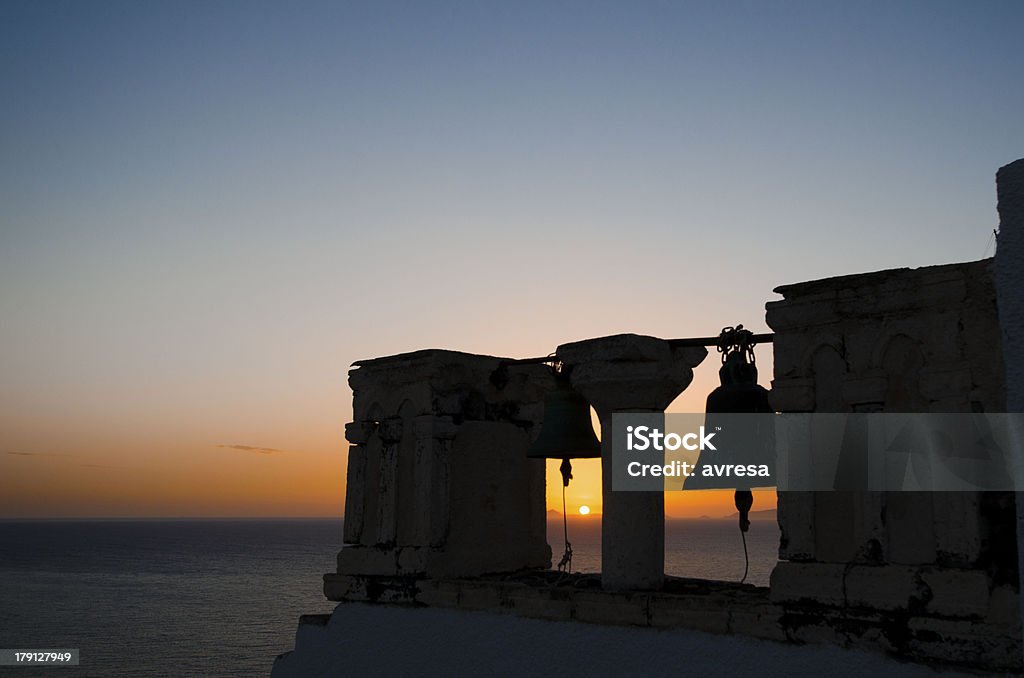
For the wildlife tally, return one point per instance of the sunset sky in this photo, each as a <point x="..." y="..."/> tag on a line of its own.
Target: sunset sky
<point x="208" y="210"/>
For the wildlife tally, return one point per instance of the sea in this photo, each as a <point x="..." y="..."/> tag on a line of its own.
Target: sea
<point x="146" y="598"/>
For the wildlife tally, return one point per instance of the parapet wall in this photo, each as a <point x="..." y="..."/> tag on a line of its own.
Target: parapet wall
<point x="940" y="567"/>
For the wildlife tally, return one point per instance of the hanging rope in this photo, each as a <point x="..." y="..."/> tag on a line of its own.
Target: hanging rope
<point x="565" y="564"/>
<point x="746" y="558"/>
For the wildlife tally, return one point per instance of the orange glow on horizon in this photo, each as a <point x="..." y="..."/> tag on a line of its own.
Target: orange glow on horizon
<point x="208" y="481"/>
<point x="585" y="490"/>
<point x="227" y="451"/>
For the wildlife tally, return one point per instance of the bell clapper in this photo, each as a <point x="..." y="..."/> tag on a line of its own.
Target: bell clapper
<point x="744" y="499"/>
<point x="566" y="469"/>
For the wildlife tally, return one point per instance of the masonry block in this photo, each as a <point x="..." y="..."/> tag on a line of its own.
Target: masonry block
<point x="886" y="587"/>
<point x="702" y="615"/>
<point x="795" y="512"/>
<point x="528" y="602"/>
<point x="964" y="642"/>
<point x="1004" y="608"/>
<point x="820" y="583"/>
<point x="957" y="593"/>
<point x="603" y="607"/>
<point x="438" y="593"/>
<point x="757" y="621"/>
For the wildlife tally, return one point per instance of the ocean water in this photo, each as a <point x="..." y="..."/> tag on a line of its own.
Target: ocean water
<point x="162" y="598"/>
<point x="223" y="597"/>
<point x="698" y="548"/>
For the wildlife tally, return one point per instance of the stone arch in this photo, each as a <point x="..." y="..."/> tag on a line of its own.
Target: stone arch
<point x="886" y="341"/>
<point x="901" y="360"/>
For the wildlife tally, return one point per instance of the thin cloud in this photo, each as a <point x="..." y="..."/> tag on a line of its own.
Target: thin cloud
<point x="35" y="454"/>
<point x="252" y="448"/>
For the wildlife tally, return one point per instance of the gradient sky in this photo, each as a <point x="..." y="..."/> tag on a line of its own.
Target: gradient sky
<point x="208" y="210"/>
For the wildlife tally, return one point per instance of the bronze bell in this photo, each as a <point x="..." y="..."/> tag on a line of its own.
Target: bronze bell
<point x="566" y="432"/>
<point x="739" y="392"/>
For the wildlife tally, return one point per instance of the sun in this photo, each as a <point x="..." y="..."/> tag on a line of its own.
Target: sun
<point x="584" y="510"/>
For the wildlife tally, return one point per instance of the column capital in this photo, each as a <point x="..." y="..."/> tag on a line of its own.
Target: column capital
<point x="625" y="372"/>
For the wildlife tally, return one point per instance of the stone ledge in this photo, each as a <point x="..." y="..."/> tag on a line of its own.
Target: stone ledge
<point x="724" y="608"/>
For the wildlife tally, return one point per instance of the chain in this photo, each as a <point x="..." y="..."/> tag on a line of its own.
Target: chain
<point x="737" y="339"/>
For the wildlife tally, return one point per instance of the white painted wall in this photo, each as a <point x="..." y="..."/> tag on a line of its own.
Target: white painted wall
<point x="385" y="640"/>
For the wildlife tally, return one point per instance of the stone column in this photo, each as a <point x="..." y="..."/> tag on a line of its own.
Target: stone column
<point x="1009" y="276"/>
<point x="629" y="373"/>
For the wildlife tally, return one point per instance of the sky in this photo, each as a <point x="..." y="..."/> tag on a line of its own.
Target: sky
<point x="209" y="210"/>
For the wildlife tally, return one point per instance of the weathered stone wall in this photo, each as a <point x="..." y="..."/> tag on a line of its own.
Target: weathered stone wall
<point x="937" y="572"/>
<point x="1009" y="269"/>
<point x="438" y="480"/>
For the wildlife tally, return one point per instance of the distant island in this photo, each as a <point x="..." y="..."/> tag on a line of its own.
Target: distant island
<point x="765" y="514"/>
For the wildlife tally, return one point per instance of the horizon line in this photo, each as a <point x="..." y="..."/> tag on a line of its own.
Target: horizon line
<point x="14" y="519"/>
<point x="128" y="518"/>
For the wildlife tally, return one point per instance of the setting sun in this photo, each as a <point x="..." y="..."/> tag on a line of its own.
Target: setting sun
<point x="584" y="510"/>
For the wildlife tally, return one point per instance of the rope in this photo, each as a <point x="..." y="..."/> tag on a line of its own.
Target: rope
<point x="565" y="565"/>
<point x="746" y="558"/>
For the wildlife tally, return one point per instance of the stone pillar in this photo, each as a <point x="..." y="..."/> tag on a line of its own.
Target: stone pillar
<point x="438" y="479"/>
<point x="629" y="373"/>
<point x="1009" y="277"/>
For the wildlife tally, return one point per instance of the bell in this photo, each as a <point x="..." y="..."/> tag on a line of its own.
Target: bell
<point x="566" y="432"/>
<point x="739" y="392"/>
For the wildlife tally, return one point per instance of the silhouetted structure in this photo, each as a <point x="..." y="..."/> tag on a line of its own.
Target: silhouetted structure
<point x="442" y="497"/>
